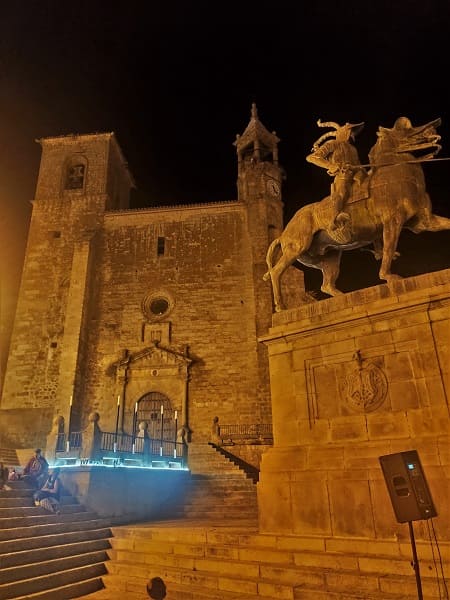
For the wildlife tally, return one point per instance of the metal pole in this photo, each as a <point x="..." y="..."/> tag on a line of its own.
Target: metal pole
<point x="68" y="425"/>
<point x="133" y="439"/>
<point x="175" y="437"/>
<point x="117" y="423"/>
<point x="162" y="431"/>
<point x="415" y="561"/>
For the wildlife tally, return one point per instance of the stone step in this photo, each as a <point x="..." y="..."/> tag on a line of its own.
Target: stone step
<point x="8" y="457"/>
<point x="15" y="492"/>
<point x="214" y="518"/>
<point x="219" y="493"/>
<point x="230" y="477"/>
<point x="43" y="517"/>
<point x="255" y="579"/>
<point x="35" y="555"/>
<point x="55" y="565"/>
<point x="47" y="541"/>
<point x="78" y="589"/>
<point x="77" y="522"/>
<point x="273" y="583"/>
<point x="26" y="587"/>
<point x="46" y="555"/>
<point x="26" y="501"/>
<point x="220" y="480"/>
<point x="214" y="459"/>
<point x="223" y="560"/>
<point x="20" y="512"/>
<point x="20" y="485"/>
<point x="135" y="589"/>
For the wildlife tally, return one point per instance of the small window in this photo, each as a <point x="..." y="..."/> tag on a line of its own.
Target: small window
<point x="159" y="306"/>
<point x="161" y="246"/>
<point x="155" y="307"/>
<point x="156" y="335"/>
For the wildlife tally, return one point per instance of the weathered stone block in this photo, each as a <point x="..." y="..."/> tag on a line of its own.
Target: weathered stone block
<point x="240" y="585"/>
<point x="351" y="508"/>
<point x="387" y="425"/>
<point x="326" y="458"/>
<point x="403" y="395"/>
<point x="310" y="512"/>
<point x="346" y="429"/>
<point x="271" y="590"/>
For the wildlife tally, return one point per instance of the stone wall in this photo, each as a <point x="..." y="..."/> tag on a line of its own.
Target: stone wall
<point x="206" y="276"/>
<point x="353" y="378"/>
<point x="91" y="274"/>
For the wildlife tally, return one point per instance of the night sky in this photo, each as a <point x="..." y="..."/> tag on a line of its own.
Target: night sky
<point x="175" y="82"/>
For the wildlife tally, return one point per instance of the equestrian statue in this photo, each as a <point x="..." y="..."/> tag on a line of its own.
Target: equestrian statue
<point x="365" y="207"/>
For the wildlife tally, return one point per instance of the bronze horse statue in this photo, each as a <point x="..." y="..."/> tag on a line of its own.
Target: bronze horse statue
<point x="395" y="198"/>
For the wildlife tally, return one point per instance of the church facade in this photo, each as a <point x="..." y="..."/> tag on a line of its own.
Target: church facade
<point x="126" y="312"/>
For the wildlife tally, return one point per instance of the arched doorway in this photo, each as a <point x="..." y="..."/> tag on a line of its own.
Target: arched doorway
<point x="149" y="410"/>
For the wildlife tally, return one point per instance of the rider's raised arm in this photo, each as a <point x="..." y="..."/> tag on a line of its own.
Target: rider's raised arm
<point x="321" y="156"/>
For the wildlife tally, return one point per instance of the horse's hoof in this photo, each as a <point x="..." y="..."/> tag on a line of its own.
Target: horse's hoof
<point x="332" y="291"/>
<point x="391" y="277"/>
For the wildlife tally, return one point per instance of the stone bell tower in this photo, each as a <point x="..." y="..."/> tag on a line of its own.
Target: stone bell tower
<point x="260" y="177"/>
<point x="259" y="183"/>
<point x="259" y="188"/>
<point x="80" y="178"/>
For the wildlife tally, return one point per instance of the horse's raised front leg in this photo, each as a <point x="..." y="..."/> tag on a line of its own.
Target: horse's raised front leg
<point x="431" y="223"/>
<point x="391" y="233"/>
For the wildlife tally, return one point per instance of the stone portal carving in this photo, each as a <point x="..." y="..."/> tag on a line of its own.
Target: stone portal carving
<point x="155" y="368"/>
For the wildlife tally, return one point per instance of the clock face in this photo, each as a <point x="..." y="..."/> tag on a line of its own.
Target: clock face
<point x="273" y="188"/>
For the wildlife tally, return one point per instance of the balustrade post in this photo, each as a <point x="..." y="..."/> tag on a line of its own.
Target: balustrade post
<point x="91" y="438"/>
<point x="143" y="441"/>
<point x="53" y="437"/>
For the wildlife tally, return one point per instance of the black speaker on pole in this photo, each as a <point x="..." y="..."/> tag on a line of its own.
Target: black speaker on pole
<point x="407" y="486"/>
<point x="410" y="496"/>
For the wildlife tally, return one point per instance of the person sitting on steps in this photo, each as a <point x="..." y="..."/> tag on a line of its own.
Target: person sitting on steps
<point x="36" y="469"/>
<point x="49" y="495"/>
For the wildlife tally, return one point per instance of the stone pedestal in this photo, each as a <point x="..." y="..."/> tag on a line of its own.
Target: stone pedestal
<point x="353" y="378"/>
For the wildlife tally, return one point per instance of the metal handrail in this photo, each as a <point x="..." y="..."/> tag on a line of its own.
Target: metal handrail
<point x="124" y="443"/>
<point x="75" y="439"/>
<point x="247" y="430"/>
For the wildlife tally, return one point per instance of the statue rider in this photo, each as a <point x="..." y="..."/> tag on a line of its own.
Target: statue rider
<point x="340" y="157"/>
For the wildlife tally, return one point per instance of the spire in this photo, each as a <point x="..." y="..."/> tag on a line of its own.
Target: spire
<point x="256" y="139"/>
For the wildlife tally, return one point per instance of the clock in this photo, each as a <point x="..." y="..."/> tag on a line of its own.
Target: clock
<point x="273" y="188"/>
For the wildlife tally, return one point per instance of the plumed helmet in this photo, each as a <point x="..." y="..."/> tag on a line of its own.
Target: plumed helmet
<point x="341" y="131"/>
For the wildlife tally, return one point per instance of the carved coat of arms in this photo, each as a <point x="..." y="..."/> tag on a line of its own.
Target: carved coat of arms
<point x="365" y="387"/>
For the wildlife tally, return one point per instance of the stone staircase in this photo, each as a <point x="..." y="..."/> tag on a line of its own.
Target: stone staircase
<point x="217" y="489"/>
<point x="49" y="556"/>
<point x="8" y="457"/>
<point x="199" y="562"/>
<point x="250" y="471"/>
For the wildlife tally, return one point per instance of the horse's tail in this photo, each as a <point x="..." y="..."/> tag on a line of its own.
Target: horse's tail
<point x="276" y="242"/>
